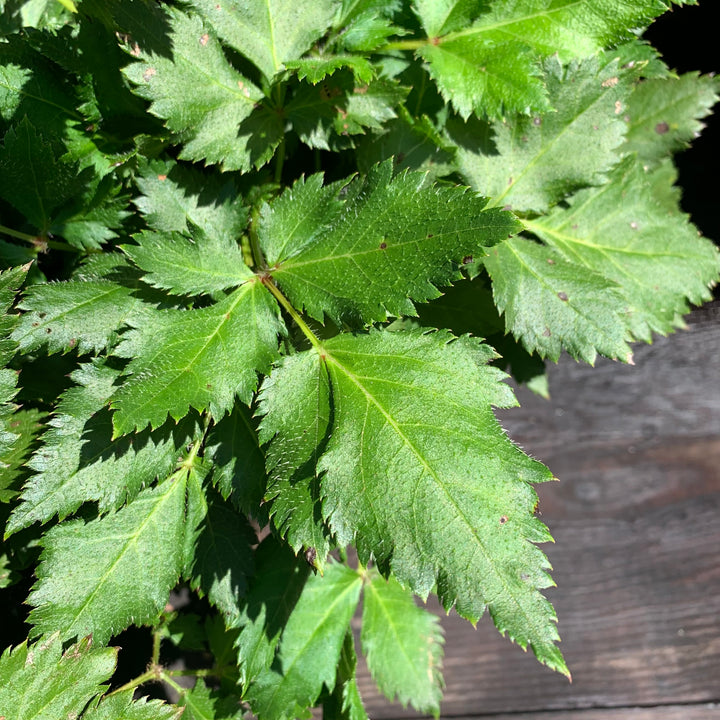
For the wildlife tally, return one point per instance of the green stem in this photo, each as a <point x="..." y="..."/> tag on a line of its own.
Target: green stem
<point x="178" y="688"/>
<point x="151" y="674"/>
<point x="309" y="334"/>
<point x="156" y="649"/>
<point x="280" y="161"/>
<point x="202" y="672"/>
<point x="18" y="235"/>
<point x="406" y="44"/>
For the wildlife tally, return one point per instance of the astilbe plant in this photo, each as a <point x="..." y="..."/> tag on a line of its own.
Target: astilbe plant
<point x="265" y="265"/>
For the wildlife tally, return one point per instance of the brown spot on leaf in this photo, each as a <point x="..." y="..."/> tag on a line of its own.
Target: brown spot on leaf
<point x="503" y="519"/>
<point x="550" y="261"/>
<point x="149" y="73"/>
<point x="429" y="235"/>
<point x="467" y="259"/>
<point x="162" y="178"/>
<point x="546" y="332"/>
<point x="311" y="556"/>
<point x="661" y="128"/>
<point x="208" y="386"/>
<point x="383" y="245"/>
<point x="48" y="330"/>
<point x="610" y="82"/>
<point x="537" y="121"/>
<point x="361" y="90"/>
<point x="563" y="296"/>
<point x="204" y="39"/>
<point x="72" y="343"/>
<point x="618" y="107"/>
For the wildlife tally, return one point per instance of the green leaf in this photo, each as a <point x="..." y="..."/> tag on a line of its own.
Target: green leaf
<point x="440" y="17"/>
<point x="366" y="24"/>
<point x="268" y="32"/>
<point x="82" y="314"/>
<point x="203" y="264"/>
<point x="345" y="702"/>
<point x="571" y="28"/>
<point x="453" y="508"/>
<point x="485" y="78"/>
<point x="198" y="93"/>
<point x="121" y="706"/>
<point x="310" y="646"/>
<point x="394" y="241"/>
<point x="274" y="590"/>
<point x="402" y="644"/>
<point x="653" y="254"/>
<point x="40" y="682"/>
<point x="551" y="304"/>
<point x="101" y="576"/>
<point x="32" y="177"/>
<point x="295" y="403"/>
<point x="201" y="358"/>
<point x="201" y="703"/>
<point x="413" y="143"/>
<point x="177" y="196"/>
<point x="531" y="163"/>
<point x="80" y="462"/>
<point x="664" y="114"/>
<point x="329" y="114"/>
<point x="238" y="462"/>
<point x="223" y="558"/>
<point x="315" y="69"/>
<point x="25" y="424"/>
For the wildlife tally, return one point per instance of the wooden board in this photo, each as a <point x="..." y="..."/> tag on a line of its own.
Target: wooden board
<point x="636" y="518"/>
<point x="670" y="712"/>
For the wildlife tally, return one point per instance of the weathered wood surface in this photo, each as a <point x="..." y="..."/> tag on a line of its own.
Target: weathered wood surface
<point x="670" y="712"/>
<point x="636" y="518"/>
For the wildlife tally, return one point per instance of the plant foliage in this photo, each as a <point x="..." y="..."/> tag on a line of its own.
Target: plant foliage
<point x="264" y="265"/>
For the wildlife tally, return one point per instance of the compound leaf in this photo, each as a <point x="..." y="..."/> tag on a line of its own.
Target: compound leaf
<point x="203" y="264"/>
<point x="551" y="304"/>
<point x="402" y="644"/>
<point x="393" y="241"/>
<point x="201" y="358"/>
<point x="442" y="498"/>
<point x="268" y="32"/>
<point x="652" y="253"/>
<point x="310" y="646"/>
<point x="534" y="162"/>
<point x="99" y="577"/>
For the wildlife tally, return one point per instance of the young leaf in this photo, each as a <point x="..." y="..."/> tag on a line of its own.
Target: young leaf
<point x="80" y="462"/>
<point x="394" y="241"/>
<point x="453" y="506"/>
<point x="202" y="704"/>
<point x="40" y="682"/>
<point x="238" y="463"/>
<point x="551" y="304"/>
<point x="274" y="590"/>
<point x="177" y="196"/>
<point x="315" y="69"/>
<point x="180" y="265"/>
<point x="32" y="177"/>
<point x="101" y="576"/>
<point x="201" y="358"/>
<point x="664" y="114"/>
<point x="295" y="402"/>
<point x="223" y="558"/>
<point x="402" y="644"/>
<point x="270" y="32"/>
<point x="121" y="706"/>
<point x="654" y="255"/>
<point x="310" y="646"/>
<point x="537" y="161"/>
<point x="198" y="93"/>
<point x="345" y="702"/>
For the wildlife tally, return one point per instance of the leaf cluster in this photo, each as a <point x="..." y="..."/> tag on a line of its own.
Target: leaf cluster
<point x="264" y="264"/>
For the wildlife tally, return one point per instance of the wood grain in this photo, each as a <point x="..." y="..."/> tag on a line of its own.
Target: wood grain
<point x="636" y="518"/>
<point x="670" y="712"/>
